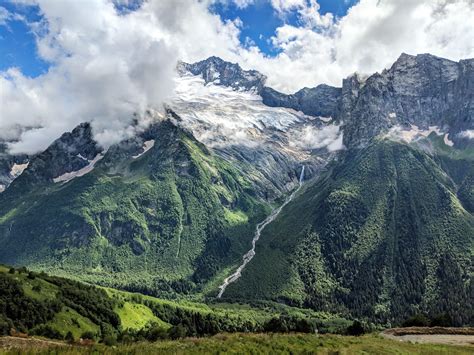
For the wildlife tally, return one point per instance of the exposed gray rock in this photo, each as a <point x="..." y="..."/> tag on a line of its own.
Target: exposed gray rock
<point x="7" y="162"/>
<point x="422" y="90"/>
<point x="323" y="100"/>
<point x="220" y="72"/>
<point x="71" y="152"/>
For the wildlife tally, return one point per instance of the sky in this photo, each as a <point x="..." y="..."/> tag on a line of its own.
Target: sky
<point x="63" y="62"/>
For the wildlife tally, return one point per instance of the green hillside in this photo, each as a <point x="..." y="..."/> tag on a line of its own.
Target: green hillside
<point x="381" y="234"/>
<point x="163" y="223"/>
<point x="59" y="308"/>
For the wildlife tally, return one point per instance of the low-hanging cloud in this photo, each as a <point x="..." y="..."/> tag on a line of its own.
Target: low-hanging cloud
<point x="312" y="137"/>
<point x="104" y="68"/>
<point x="107" y="65"/>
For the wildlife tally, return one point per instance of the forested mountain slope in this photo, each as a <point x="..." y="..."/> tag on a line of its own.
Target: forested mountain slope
<point x="159" y="211"/>
<point x="382" y="234"/>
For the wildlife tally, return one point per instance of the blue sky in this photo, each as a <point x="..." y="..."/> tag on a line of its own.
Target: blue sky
<point x="259" y="21"/>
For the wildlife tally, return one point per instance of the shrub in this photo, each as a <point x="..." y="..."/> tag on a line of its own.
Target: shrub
<point x="418" y="320"/>
<point x="88" y="335"/>
<point x="47" y="331"/>
<point x="110" y="340"/>
<point x="69" y="337"/>
<point x="177" y="332"/>
<point x="356" y="329"/>
<point x="156" y="333"/>
<point x="442" y="320"/>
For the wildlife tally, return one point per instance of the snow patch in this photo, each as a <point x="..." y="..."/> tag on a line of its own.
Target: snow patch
<point x="448" y="141"/>
<point x="325" y="119"/>
<point x="414" y="133"/>
<point x="71" y="175"/>
<point x="146" y="147"/>
<point x="392" y="115"/>
<point x="80" y="156"/>
<point x="17" y="169"/>
<point x="219" y="115"/>
<point x="2" y="188"/>
<point x="469" y="134"/>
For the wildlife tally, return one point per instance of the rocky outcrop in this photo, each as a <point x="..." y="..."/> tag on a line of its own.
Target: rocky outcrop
<point x="10" y="166"/>
<point x="421" y="90"/>
<point x="220" y="72"/>
<point x="323" y="100"/>
<point x="71" y="152"/>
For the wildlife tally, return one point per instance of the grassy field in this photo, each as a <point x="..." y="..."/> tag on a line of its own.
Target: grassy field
<point x="247" y="344"/>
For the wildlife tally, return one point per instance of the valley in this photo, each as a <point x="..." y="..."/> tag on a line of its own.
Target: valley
<point x="350" y="229"/>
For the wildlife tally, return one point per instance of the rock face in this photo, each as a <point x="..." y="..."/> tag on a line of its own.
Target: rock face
<point x="421" y="90"/>
<point x="71" y="152"/>
<point x="10" y="166"/>
<point x="220" y="72"/>
<point x="323" y="100"/>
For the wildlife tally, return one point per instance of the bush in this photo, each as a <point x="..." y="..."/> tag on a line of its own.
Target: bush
<point x="37" y="288"/>
<point x="88" y="335"/>
<point x="11" y="271"/>
<point x="418" y="320"/>
<point x="156" y="333"/>
<point x="177" y="332"/>
<point x="47" y="331"/>
<point x="110" y="340"/>
<point x="356" y="329"/>
<point x="442" y="320"/>
<point x="69" y="337"/>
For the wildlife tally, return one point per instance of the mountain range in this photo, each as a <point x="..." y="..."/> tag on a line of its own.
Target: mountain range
<point x="381" y="228"/>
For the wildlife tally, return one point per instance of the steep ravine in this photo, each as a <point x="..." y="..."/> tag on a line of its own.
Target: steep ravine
<point x="260" y="227"/>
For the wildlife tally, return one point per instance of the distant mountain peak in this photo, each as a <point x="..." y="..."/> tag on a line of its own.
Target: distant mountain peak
<point x="219" y="72"/>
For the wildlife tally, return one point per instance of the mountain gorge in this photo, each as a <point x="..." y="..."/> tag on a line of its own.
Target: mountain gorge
<point x="382" y="228"/>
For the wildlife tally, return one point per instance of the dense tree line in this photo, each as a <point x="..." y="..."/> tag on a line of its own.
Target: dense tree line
<point x="19" y="311"/>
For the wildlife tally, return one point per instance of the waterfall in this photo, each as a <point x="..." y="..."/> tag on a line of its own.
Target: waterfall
<point x="251" y="253"/>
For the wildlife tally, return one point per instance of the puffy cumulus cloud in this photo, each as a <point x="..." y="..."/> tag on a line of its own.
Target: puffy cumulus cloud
<point x="324" y="49"/>
<point x="311" y="137"/>
<point x="107" y="66"/>
<point x="104" y="68"/>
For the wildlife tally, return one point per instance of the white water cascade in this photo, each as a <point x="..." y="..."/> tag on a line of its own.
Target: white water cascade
<point x="251" y="253"/>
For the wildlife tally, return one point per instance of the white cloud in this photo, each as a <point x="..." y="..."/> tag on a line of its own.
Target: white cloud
<point x="107" y="65"/>
<point x="4" y="16"/>
<point x="311" y="137"/>
<point x="368" y="39"/>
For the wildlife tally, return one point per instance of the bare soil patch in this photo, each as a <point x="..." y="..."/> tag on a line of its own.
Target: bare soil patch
<point x="15" y="343"/>
<point x="434" y="335"/>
